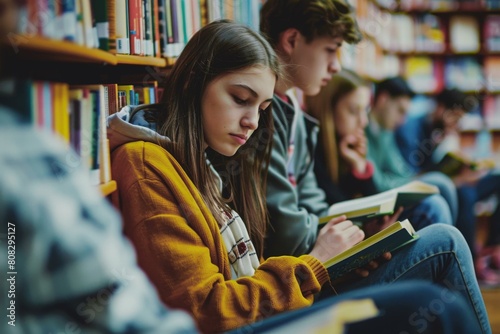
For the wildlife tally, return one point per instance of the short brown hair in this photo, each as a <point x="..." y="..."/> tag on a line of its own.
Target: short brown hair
<point x="217" y="49"/>
<point x="313" y="18"/>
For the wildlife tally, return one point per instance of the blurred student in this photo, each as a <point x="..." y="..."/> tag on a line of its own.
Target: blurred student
<point x="198" y="233"/>
<point x="307" y="45"/>
<point x="341" y="165"/>
<point x="422" y="141"/>
<point x="391" y="102"/>
<point x="75" y="270"/>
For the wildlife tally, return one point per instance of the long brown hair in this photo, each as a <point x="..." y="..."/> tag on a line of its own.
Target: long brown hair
<point x="219" y="48"/>
<point x="323" y="106"/>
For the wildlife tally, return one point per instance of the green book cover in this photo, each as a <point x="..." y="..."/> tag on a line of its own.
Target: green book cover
<point x="453" y="163"/>
<point x="364" y="208"/>
<point x="387" y="240"/>
<point x="413" y="193"/>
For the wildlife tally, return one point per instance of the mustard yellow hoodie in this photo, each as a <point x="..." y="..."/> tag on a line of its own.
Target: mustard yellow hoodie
<point x="179" y="246"/>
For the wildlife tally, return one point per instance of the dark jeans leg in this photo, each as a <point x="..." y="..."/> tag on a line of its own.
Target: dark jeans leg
<point x="405" y="307"/>
<point x="431" y="210"/>
<point x="486" y="187"/>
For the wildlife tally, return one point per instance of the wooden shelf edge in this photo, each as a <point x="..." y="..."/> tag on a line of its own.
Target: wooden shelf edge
<point x="140" y="60"/>
<point x="108" y="188"/>
<point x="63" y="50"/>
<point x="457" y="9"/>
<point x="170" y="61"/>
<point x="45" y="48"/>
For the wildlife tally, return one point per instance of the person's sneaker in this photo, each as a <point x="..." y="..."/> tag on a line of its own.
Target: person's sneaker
<point x="493" y="255"/>
<point x="486" y="276"/>
<point x="495" y="259"/>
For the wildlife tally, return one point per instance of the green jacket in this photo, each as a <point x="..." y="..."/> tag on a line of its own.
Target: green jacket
<point x="293" y="210"/>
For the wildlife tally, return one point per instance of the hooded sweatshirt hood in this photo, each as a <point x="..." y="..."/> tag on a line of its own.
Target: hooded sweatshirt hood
<point x="134" y="123"/>
<point x="131" y="124"/>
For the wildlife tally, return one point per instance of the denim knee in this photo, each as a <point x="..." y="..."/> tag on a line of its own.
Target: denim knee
<point x="438" y="209"/>
<point x="445" y="235"/>
<point x="447" y="189"/>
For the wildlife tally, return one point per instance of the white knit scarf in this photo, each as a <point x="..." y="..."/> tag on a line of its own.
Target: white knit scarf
<point x="240" y="250"/>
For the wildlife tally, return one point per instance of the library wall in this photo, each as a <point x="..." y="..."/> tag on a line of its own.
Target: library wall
<point x="73" y="63"/>
<point x="436" y="44"/>
<point x="127" y="46"/>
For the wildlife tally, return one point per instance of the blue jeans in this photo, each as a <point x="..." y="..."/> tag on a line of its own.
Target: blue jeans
<point x="405" y="307"/>
<point x="440" y="256"/>
<point x="469" y="195"/>
<point x="431" y="210"/>
<point x="447" y="189"/>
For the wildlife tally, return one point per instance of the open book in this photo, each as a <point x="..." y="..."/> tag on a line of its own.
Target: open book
<point x="387" y="240"/>
<point x="453" y="163"/>
<point x="384" y="203"/>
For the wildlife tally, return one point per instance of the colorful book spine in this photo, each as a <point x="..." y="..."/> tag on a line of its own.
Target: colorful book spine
<point x="134" y="13"/>
<point x="75" y="118"/>
<point x="176" y="46"/>
<point x="100" y="14"/>
<point x="112" y="98"/>
<point x="80" y="30"/>
<point x="48" y="92"/>
<point x="122" y="27"/>
<point x="63" y="105"/>
<point x="196" y="6"/>
<point x="88" y="30"/>
<point x="128" y="91"/>
<point x="162" y="25"/>
<point x="491" y="33"/>
<point x="49" y="20"/>
<point x="171" y="47"/>
<point x="156" y="28"/>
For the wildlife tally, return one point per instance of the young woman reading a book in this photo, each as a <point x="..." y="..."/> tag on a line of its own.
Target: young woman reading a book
<point x="437" y="129"/>
<point x="199" y="233"/>
<point x="341" y="165"/>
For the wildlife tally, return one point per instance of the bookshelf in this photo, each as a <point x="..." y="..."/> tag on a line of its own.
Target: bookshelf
<point x="108" y="188"/>
<point x="45" y="48"/>
<point x="72" y="63"/>
<point x="435" y="44"/>
<point x="454" y="34"/>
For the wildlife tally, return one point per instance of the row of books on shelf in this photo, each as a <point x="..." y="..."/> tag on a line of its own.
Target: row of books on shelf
<point x="425" y="74"/>
<point x="76" y="113"/>
<point x="443" y="5"/>
<point x="427" y="32"/>
<point x="155" y="28"/>
<point x="246" y="11"/>
<point x="428" y="75"/>
<point x="362" y="57"/>
<point x="491" y="112"/>
<point x="485" y="113"/>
